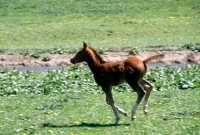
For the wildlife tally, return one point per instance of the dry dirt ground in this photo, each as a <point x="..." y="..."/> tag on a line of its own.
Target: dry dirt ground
<point x="171" y="57"/>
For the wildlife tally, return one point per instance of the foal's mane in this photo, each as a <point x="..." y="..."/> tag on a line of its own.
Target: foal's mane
<point x="97" y="55"/>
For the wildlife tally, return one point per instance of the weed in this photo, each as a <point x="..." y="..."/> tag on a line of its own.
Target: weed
<point x="35" y="55"/>
<point x="2" y="50"/>
<point x="194" y="47"/>
<point x="25" y="52"/>
<point x="46" y="58"/>
<point x="101" y="51"/>
<point x="134" y="51"/>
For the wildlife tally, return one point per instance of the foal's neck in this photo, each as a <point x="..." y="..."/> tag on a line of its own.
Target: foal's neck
<point x="94" y="60"/>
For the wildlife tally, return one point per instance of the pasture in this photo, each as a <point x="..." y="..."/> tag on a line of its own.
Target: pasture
<point x="101" y="23"/>
<point x="68" y="101"/>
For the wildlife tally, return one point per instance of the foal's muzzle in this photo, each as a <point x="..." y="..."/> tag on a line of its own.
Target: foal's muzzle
<point x="72" y="61"/>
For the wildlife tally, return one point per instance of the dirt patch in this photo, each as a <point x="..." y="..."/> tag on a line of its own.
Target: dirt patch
<point x="171" y="57"/>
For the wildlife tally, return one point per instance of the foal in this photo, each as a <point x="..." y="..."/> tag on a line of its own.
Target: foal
<point x="109" y="74"/>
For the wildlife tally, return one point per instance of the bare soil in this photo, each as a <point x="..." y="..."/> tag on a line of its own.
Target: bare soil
<point x="171" y="57"/>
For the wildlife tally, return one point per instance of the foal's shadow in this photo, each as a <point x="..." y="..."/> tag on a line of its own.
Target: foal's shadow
<point x="83" y="124"/>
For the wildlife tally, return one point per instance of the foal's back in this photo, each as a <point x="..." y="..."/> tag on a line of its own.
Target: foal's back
<point x="118" y="72"/>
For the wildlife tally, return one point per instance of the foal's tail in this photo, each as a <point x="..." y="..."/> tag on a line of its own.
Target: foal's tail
<point x="153" y="57"/>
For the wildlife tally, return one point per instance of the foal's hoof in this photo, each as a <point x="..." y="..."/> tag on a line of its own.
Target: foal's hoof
<point x="133" y="118"/>
<point x="116" y="123"/>
<point x="146" y="112"/>
<point x="126" y="114"/>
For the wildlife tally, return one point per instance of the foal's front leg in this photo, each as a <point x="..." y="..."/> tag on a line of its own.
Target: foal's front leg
<point x="110" y="101"/>
<point x="118" y="108"/>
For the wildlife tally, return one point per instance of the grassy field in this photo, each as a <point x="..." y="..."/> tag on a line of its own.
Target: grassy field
<point x="68" y="102"/>
<point x="105" y="23"/>
<point x="172" y="112"/>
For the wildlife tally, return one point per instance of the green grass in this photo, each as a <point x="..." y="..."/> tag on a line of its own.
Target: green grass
<point x="68" y="101"/>
<point x="102" y="23"/>
<point x="171" y="112"/>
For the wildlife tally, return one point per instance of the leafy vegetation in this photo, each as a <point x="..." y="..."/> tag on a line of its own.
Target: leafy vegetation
<point x="134" y="51"/>
<point x="102" y="23"/>
<point x="38" y="52"/>
<point x="131" y="50"/>
<point x="191" y="46"/>
<point x="46" y="58"/>
<point x="78" y="79"/>
<point x="166" y="78"/>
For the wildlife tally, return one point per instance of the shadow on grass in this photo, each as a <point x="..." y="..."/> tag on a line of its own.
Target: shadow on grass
<point x="81" y="125"/>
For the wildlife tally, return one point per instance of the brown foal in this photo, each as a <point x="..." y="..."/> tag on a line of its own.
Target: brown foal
<point x="109" y="74"/>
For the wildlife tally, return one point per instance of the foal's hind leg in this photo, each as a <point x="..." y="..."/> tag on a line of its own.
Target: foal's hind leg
<point x="148" y="87"/>
<point x="140" y="93"/>
<point x="133" y="81"/>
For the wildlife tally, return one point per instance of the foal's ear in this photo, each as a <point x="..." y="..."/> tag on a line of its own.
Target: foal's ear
<point x="84" y="45"/>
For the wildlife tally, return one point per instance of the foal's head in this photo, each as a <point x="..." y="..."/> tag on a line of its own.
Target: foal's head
<point x="86" y="53"/>
<point x="81" y="55"/>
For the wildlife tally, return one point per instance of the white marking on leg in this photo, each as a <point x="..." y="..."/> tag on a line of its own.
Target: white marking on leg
<point x="116" y="114"/>
<point x="121" y="111"/>
<point x="115" y="110"/>
<point x="133" y="113"/>
<point x="148" y="87"/>
<point x="145" y="107"/>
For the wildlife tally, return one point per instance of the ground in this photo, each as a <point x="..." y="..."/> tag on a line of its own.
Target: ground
<point x="171" y="57"/>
